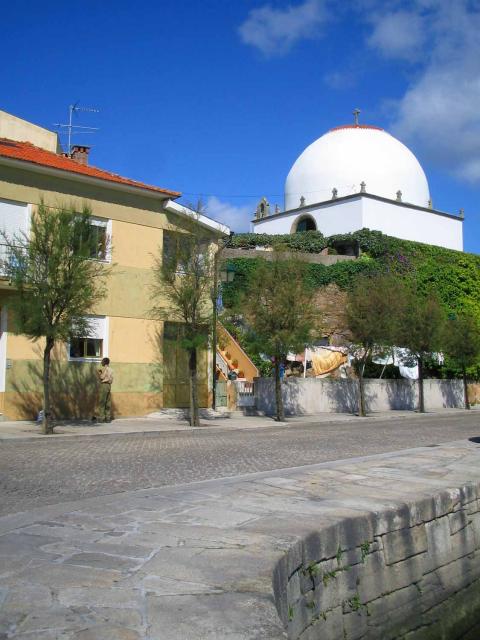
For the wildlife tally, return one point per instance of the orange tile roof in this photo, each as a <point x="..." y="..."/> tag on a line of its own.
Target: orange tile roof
<point x="27" y="152"/>
<point x="356" y="126"/>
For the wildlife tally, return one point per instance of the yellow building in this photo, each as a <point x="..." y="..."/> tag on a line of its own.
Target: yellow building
<point x="150" y="370"/>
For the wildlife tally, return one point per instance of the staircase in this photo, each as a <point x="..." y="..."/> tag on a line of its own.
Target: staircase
<point x="231" y="357"/>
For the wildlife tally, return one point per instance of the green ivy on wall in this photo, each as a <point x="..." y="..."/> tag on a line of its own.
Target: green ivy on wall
<point x="453" y="275"/>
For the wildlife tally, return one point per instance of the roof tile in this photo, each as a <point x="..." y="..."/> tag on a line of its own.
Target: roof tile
<point x="356" y="126"/>
<point x="27" y="152"/>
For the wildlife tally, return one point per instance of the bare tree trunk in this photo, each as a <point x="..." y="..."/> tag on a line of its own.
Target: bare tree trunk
<point x="47" y="425"/>
<point x="192" y="366"/>
<point x="421" y="395"/>
<point x="278" y="392"/>
<point x="465" y="388"/>
<point x="361" y="391"/>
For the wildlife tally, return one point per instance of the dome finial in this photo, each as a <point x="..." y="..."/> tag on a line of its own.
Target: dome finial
<point x="356" y="113"/>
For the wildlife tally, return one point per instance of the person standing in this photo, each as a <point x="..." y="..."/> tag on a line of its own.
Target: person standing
<point x="104" y="406"/>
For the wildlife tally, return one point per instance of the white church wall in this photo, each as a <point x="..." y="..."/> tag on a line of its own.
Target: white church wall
<point x="337" y="217"/>
<point x="273" y="226"/>
<point x="413" y="224"/>
<point x="399" y="221"/>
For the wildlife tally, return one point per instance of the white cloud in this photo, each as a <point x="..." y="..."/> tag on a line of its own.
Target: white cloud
<point x="274" y="31"/>
<point x="340" y="80"/>
<point x="439" y="111"/>
<point x="237" y="218"/>
<point x="399" y="35"/>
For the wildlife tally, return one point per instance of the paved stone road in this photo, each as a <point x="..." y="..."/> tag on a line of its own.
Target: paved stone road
<point x="44" y="472"/>
<point x="195" y="562"/>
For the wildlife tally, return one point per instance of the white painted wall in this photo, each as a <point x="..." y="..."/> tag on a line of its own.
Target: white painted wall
<point x="3" y="347"/>
<point x="274" y="226"/>
<point x="413" y="224"/>
<point x="330" y="218"/>
<point x="351" y="215"/>
<point x="311" y="395"/>
<point x="341" y="217"/>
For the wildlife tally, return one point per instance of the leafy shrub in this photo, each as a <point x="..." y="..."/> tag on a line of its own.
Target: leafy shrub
<point x="453" y="276"/>
<point x="304" y="241"/>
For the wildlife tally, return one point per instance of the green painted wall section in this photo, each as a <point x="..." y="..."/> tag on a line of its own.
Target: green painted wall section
<point x="26" y="376"/>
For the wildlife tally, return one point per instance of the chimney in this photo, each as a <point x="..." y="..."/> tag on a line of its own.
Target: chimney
<point x="80" y="153"/>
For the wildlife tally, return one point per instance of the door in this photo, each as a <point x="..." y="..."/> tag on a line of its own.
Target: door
<point x="176" y="390"/>
<point x="221" y="393"/>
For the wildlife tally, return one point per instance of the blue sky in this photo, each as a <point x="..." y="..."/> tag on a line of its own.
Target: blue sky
<point x="217" y="99"/>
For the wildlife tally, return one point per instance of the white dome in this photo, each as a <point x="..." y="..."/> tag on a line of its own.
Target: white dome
<point x="346" y="156"/>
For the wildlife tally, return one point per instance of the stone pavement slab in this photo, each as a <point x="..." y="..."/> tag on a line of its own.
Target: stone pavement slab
<point x="196" y="561"/>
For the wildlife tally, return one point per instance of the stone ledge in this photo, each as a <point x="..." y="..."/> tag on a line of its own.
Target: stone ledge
<point x="218" y="559"/>
<point x="425" y="559"/>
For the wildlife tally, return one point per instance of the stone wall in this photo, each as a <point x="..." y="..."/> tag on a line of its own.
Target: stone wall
<point x="412" y="573"/>
<point x="315" y="258"/>
<point x="474" y="392"/>
<point x="311" y="395"/>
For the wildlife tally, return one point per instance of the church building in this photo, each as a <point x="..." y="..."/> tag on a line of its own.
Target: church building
<point x="359" y="176"/>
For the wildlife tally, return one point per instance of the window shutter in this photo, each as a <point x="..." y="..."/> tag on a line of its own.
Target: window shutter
<point x="13" y="217"/>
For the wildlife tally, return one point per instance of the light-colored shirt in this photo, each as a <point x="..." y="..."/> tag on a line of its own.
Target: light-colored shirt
<point x="105" y="375"/>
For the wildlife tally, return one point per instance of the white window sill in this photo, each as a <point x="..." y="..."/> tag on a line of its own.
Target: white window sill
<point x="107" y="260"/>
<point x="84" y="359"/>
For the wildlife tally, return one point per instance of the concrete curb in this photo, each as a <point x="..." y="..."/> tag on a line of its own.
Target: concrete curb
<point x="15" y="520"/>
<point x="291" y="421"/>
<point x="152" y="432"/>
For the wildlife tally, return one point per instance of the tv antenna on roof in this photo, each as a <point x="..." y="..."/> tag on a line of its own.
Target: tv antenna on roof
<point x="71" y="129"/>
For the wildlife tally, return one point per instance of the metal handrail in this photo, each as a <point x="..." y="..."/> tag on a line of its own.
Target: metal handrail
<point x="222" y="364"/>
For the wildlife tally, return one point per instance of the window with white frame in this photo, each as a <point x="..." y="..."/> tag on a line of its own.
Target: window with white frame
<point x="14" y="223"/>
<point x="94" y="345"/>
<point x="101" y="232"/>
<point x="14" y="218"/>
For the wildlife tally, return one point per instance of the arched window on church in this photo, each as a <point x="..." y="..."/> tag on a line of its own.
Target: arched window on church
<point x="304" y="223"/>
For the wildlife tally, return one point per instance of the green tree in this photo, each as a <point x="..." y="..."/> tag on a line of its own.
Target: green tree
<point x="280" y="310"/>
<point x="371" y="315"/>
<point x="57" y="281"/>
<point x="462" y="344"/>
<point x="184" y="277"/>
<point x="420" y="328"/>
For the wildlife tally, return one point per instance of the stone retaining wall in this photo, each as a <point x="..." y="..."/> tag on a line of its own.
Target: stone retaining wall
<point x="311" y="395"/>
<point x="412" y="573"/>
<point x="474" y="392"/>
<point x="315" y="258"/>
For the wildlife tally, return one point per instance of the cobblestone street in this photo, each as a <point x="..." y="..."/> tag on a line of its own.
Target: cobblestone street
<point x="50" y="471"/>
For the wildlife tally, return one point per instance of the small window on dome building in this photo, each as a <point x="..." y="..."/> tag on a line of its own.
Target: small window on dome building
<point x="304" y="223"/>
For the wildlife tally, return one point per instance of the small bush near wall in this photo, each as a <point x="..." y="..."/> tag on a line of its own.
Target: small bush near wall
<point x="304" y="241"/>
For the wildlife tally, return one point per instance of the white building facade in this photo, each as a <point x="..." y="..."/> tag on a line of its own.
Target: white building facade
<point x="359" y="176"/>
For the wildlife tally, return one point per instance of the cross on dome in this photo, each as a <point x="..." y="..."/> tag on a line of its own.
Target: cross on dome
<point x="356" y="113"/>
